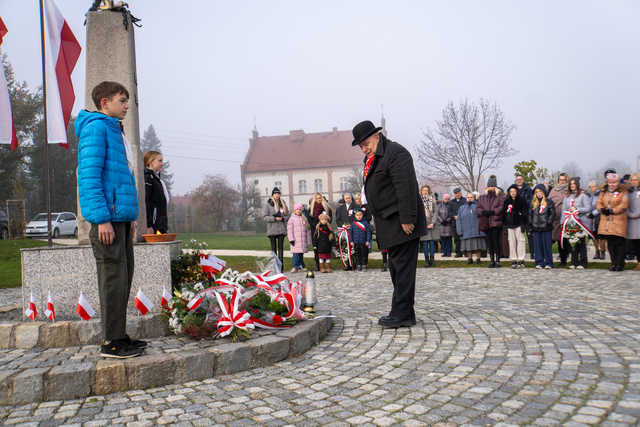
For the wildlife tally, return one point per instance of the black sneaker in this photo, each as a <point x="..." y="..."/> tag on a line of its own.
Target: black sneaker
<point x="119" y="350"/>
<point x="134" y="343"/>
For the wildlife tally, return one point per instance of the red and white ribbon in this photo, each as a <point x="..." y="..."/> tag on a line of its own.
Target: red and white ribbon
<point x="343" y="234"/>
<point x="509" y="208"/>
<point x="194" y="303"/>
<point x="360" y="225"/>
<point x="293" y="300"/>
<point x="232" y="317"/>
<point x="211" y="264"/>
<point x="573" y="216"/>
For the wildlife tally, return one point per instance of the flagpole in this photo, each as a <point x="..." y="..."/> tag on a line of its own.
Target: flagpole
<point x="46" y="136"/>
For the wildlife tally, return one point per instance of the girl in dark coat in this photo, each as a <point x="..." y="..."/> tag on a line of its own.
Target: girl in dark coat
<point x="541" y="218"/>
<point x="514" y="219"/>
<point x="323" y="238"/>
<point x="156" y="194"/>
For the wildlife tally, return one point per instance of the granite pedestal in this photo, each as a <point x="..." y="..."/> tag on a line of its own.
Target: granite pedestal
<point x="68" y="270"/>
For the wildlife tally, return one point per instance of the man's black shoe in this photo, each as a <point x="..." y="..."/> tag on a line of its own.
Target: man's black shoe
<point x="134" y="343"/>
<point x="470" y="261"/>
<point x="478" y="262"/>
<point x="347" y="268"/>
<point x="391" y="322"/>
<point x="118" y="349"/>
<point x="458" y="255"/>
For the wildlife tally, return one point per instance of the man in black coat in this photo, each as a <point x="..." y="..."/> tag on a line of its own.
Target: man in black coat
<point x="391" y="192"/>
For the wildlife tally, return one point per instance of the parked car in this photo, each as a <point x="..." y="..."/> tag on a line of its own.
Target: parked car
<point x="4" y="226"/>
<point x="62" y="223"/>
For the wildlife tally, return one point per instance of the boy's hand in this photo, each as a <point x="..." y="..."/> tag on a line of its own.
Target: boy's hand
<point x="106" y="235"/>
<point x="367" y="244"/>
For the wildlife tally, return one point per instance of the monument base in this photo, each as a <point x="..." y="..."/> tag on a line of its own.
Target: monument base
<point x="66" y="271"/>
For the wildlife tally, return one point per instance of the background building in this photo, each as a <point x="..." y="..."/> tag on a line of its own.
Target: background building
<point x="301" y="164"/>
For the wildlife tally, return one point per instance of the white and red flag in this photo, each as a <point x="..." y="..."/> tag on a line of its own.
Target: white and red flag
<point x="84" y="309"/>
<point x="31" y="312"/>
<point x="7" y="129"/>
<point x="194" y="303"/>
<point x="211" y="264"/>
<point x="50" y="312"/>
<point x="142" y="303"/>
<point x="61" y="54"/>
<point x="166" y="297"/>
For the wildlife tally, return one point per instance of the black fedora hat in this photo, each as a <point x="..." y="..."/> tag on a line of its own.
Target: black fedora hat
<point x="363" y="130"/>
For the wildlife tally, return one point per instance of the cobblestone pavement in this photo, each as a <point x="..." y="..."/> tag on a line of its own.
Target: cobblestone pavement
<point x="492" y="347"/>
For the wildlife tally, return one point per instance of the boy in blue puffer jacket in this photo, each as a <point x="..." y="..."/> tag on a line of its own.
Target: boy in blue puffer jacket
<point x="360" y="236"/>
<point x="109" y="201"/>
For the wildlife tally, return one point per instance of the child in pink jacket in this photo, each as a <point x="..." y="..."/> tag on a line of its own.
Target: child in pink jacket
<point x="299" y="236"/>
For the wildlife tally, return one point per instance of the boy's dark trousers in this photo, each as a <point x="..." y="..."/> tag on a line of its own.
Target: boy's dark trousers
<point x="114" y="264"/>
<point x="578" y="252"/>
<point x="362" y="254"/>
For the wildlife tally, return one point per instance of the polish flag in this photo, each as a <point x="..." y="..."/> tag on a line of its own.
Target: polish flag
<point x="31" y="312"/>
<point x="84" y="309"/>
<point x="166" y="297"/>
<point x="194" y="303"/>
<point x="50" y="312"/>
<point x="211" y="264"/>
<point x="142" y="303"/>
<point x="61" y="54"/>
<point x="7" y="129"/>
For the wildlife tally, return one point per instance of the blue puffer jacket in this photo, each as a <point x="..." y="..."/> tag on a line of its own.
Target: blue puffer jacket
<point x="106" y="187"/>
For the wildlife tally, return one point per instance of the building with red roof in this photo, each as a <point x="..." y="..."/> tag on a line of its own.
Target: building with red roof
<point x="301" y="164"/>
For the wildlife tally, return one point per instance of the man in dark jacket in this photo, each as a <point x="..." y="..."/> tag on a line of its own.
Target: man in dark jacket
<point x="454" y="206"/>
<point x="391" y="191"/>
<point x="344" y="211"/>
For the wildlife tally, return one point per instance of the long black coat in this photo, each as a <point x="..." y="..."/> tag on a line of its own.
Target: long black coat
<point x="392" y="195"/>
<point x="156" y="202"/>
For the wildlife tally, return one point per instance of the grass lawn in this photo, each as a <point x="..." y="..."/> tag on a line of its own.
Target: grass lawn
<point x="231" y="240"/>
<point x="10" y="274"/>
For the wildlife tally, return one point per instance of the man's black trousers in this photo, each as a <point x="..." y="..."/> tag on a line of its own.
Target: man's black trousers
<point x="403" y="260"/>
<point x="114" y="264"/>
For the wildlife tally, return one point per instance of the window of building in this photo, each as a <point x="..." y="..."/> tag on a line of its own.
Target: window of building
<point x="317" y="185"/>
<point x="255" y="182"/>
<point x="278" y="184"/>
<point x="344" y="183"/>
<point x="302" y="186"/>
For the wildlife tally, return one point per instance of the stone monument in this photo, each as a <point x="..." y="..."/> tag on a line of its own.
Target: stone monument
<point x="111" y="55"/>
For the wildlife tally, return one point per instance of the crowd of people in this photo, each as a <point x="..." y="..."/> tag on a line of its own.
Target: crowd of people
<point x="496" y="224"/>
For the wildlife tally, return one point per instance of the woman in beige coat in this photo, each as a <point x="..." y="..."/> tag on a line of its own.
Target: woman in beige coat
<point x="613" y="204"/>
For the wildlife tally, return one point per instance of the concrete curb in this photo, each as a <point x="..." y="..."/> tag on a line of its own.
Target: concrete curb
<point x="74" y="333"/>
<point x="74" y="380"/>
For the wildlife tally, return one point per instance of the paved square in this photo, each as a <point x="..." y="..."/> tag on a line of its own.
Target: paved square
<point x="492" y="347"/>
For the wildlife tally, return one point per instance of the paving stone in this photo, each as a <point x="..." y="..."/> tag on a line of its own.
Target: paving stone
<point x="193" y="365"/>
<point x="28" y="386"/>
<point x="231" y="358"/>
<point x="55" y="335"/>
<point x="6" y="336"/>
<point x="26" y="335"/>
<point x="110" y="377"/>
<point x="69" y="381"/>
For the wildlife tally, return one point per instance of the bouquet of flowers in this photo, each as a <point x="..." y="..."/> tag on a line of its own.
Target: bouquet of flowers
<point x="573" y="231"/>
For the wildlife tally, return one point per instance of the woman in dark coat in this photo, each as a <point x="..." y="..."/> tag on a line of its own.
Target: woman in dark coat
<point x="317" y="205"/>
<point x="541" y="219"/>
<point x="156" y="194"/>
<point x="490" y="206"/>
<point x="515" y="214"/>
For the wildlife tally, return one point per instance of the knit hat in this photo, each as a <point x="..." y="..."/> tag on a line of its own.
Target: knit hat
<point x="275" y="190"/>
<point x="297" y="206"/>
<point x="541" y="187"/>
<point x="493" y="181"/>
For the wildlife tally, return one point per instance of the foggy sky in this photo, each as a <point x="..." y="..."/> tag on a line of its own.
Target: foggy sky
<point x="565" y="73"/>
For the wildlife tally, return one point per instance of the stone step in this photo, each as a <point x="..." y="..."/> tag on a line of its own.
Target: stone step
<point x="74" y="333"/>
<point x="35" y="375"/>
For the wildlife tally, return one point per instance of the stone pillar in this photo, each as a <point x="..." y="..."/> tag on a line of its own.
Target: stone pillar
<point x="111" y="55"/>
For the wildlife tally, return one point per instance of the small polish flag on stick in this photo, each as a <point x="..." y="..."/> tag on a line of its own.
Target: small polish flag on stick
<point x="142" y="303"/>
<point x="50" y="312"/>
<point x="31" y="312"/>
<point x="84" y="309"/>
<point x="211" y="264"/>
<point x="166" y="297"/>
<point x="194" y="303"/>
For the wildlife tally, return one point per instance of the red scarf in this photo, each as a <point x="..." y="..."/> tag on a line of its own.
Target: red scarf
<point x="367" y="166"/>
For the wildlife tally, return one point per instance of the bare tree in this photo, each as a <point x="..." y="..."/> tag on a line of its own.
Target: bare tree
<point x="469" y="141"/>
<point x="572" y="168"/>
<point x="355" y="181"/>
<point x="216" y="204"/>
